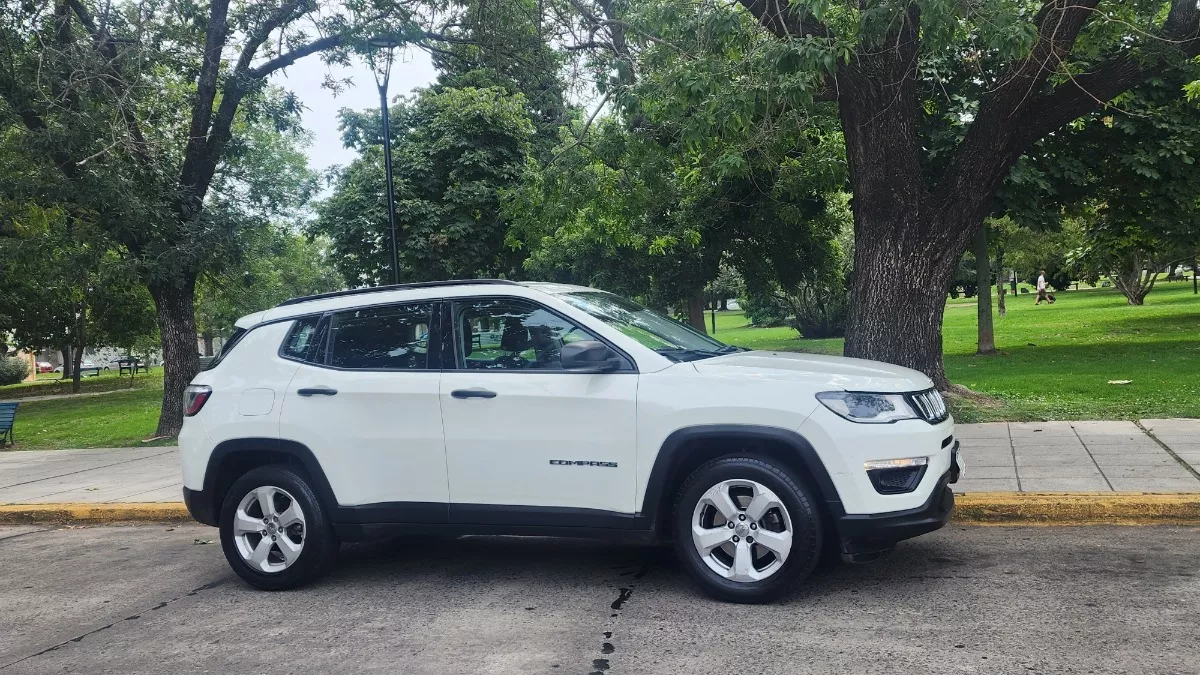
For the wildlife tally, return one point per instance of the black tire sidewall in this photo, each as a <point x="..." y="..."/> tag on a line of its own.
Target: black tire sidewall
<point x="319" y="542"/>
<point x="807" y="529"/>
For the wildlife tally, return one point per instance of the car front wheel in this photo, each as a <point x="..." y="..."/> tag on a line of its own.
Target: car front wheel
<point x="274" y="531"/>
<point x="746" y="529"/>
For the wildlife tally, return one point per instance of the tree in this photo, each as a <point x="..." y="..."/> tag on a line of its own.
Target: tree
<point x="454" y="151"/>
<point x="153" y="92"/>
<point x="937" y="101"/>
<point x="983" y="287"/>
<point x="658" y="182"/>
<point x="1037" y="68"/>
<point x="63" y="286"/>
<point x="458" y="146"/>
<point x="1128" y="177"/>
<point x="275" y="266"/>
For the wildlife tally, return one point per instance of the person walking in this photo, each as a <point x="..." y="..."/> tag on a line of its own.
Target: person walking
<point x="1041" y="289"/>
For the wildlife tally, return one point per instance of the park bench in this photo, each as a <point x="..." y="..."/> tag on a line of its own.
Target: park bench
<point x="131" y="366"/>
<point x="8" y="417"/>
<point x="94" y="369"/>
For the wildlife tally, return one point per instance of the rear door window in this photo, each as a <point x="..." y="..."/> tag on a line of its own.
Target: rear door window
<point x="382" y="338"/>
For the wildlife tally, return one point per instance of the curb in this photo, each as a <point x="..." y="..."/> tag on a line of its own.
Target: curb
<point x="1076" y="508"/>
<point x="92" y="514"/>
<point x="972" y="508"/>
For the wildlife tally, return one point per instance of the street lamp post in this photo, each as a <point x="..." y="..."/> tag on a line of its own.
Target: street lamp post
<point x="382" y="75"/>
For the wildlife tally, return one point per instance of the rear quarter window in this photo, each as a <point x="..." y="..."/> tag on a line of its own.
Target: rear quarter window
<point x="303" y="340"/>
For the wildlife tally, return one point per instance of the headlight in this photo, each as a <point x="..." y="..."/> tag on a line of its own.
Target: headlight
<point x="868" y="408"/>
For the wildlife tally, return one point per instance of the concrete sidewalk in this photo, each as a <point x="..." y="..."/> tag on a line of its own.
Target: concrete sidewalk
<point x="1160" y="456"/>
<point x="1146" y="456"/>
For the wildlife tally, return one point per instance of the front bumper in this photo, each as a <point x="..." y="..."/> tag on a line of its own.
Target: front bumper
<point x="868" y="533"/>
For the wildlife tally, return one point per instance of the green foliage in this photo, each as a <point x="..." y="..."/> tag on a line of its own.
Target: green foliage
<point x="964" y="281"/>
<point x="64" y="283"/>
<point x="275" y="266"/>
<point x="817" y="305"/>
<point x="12" y="371"/>
<point x="454" y="150"/>
<point x="763" y="308"/>
<point x="1128" y="178"/>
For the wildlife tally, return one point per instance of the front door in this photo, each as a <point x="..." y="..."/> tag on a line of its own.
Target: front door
<point x="366" y="404"/>
<point x="521" y="431"/>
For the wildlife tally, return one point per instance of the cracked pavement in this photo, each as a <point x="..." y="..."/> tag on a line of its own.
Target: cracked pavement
<point x="150" y="599"/>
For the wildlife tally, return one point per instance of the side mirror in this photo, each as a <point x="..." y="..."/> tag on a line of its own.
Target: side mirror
<point x="589" y="356"/>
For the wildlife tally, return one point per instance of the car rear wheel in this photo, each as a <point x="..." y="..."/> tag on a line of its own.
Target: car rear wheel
<point x="274" y="531"/>
<point x="746" y="529"/>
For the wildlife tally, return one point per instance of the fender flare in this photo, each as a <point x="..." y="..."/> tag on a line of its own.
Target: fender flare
<point x="292" y="449"/>
<point x="673" y="452"/>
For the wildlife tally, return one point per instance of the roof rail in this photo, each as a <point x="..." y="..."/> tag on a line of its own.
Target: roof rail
<point x="398" y="287"/>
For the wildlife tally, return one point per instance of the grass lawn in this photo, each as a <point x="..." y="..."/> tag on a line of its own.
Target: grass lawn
<point x="1055" y="361"/>
<point x="121" y="418"/>
<point x="117" y="420"/>
<point x="48" y="384"/>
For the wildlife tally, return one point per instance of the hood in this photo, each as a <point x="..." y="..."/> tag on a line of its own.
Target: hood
<point x="823" y="372"/>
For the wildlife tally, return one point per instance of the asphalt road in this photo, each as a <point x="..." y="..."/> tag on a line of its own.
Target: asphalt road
<point x="149" y="599"/>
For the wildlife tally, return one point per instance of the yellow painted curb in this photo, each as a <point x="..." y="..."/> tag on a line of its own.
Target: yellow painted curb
<point x="92" y="514"/>
<point x="972" y="508"/>
<point x="1076" y="508"/>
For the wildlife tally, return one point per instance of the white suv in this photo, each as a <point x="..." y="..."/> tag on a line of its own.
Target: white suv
<point x="492" y="407"/>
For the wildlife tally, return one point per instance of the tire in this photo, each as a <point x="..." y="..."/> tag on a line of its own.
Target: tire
<point x="273" y="571"/>
<point x="723" y="573"/>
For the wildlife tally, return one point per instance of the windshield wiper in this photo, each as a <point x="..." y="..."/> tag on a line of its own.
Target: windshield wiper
<point x="731" y="349"/>
<point x="680" y="354"/>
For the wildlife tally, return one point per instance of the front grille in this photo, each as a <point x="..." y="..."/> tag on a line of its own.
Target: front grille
<point x="929" y="405"/>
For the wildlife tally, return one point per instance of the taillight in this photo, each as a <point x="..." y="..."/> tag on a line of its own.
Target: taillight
<point x="194" y="398"/>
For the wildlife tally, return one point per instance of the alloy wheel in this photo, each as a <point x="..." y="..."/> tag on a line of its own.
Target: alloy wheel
<point x="742" y="530"/>
<point x="268" y="529"/>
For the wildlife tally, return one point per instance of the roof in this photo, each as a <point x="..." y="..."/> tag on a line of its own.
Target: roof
<point x="325" y="302"/>
<point x="395" y="287"/>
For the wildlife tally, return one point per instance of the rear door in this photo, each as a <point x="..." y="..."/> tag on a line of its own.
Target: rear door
<point x="521" y="431"/>
<point x="365" y="401"/>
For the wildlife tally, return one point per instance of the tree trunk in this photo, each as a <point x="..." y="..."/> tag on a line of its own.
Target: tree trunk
<point x="1133" y="283"/>
<point x="983" y="284"/>
<point x="80" y="343"/>
<point x="724" y="304"/>
<point x="1000" y="282"/>
<point x="208" y="343"/>
<point x="66" y="362"/>
<point x="896" y="305"/>
<point x="174" y="305"/>
<point x="696" y="311"/>
<point x="75" y="374"/>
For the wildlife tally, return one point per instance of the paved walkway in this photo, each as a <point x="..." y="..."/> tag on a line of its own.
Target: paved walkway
<point x="1158" y="456"/>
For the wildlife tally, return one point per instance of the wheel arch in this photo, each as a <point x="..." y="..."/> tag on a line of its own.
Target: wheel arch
<point x="686" y="449"/>
<point x="233" y="458"/>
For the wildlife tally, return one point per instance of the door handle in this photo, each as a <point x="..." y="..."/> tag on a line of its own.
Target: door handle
<point x="317" y="391"/>
<point x="477" y="392"/>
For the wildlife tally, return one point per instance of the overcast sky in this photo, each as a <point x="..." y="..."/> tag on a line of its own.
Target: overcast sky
<point x="412" y="69"/>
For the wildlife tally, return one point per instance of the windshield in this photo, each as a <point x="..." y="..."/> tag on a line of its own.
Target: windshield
<point x="664" y="335"/>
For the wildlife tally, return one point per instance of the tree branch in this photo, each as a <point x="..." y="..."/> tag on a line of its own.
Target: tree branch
<point x="287" y="59"/>
<point x="260" y="35"/>
<point x="1085" y="92"/>
<point x="781" y="19"/>
<point x="206" y="92"/>
<point x="107" y="48"/>
<point x="583" y="133"/>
